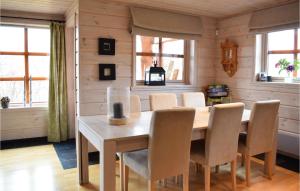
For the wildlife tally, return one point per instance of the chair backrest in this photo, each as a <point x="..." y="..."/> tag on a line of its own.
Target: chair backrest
<point x="262" y="126"/>
<point x="169" y="142"/>
<point x="135" y="104"/>
<point x="193" y="99"/>
<point x="221" y="141"/>
<point x="162" y="101"/>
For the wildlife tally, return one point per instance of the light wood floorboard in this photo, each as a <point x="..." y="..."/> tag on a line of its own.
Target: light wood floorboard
<point x="38" y="168"/>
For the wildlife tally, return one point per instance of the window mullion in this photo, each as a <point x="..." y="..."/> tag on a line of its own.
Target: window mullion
<point x="185" y="61"/>
<point x="295" y="48"/>
<point x="265" y="52"/>
<point x="27" y="94"/>
<point x="296" y="43"/>
<point x="295" y="39"/>
<point x="160" y="51"/>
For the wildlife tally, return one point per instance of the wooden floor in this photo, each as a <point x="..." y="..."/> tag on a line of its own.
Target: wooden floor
<point x="38" y="169"/>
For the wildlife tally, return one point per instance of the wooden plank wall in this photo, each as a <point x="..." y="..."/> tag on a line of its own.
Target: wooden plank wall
<point x="242" y="85"/>
<point x="20" y="123"/>
<point x="106" y="19"/>
<point x="70" y="60"/>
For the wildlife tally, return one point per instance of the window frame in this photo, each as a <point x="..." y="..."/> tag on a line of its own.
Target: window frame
<point x="186" y="66"/>
<point x="265" y="52"/>
<point x="26" y="55"/>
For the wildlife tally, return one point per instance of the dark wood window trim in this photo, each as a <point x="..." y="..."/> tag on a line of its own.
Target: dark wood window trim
<point x="295" y="50"/>
<point x="160" y="55"/>
<point x="26" y="77"/>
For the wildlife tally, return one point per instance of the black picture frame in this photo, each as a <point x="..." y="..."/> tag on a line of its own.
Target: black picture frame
<point x="107" y="46"/>
<point x="107" y="72"/>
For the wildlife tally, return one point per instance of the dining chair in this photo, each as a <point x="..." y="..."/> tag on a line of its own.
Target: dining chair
<point x="221" y="140"/>
<point x="262" y="129"/>
<point x="135" y="108"/>
<point x="135" y="104"/>
<point x="162" y="101"/>
<point x="168" y="152"/>
<point x="193" y="99"/>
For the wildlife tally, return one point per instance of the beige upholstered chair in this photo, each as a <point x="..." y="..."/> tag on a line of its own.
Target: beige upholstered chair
<point x="262" y="129"/>
<point x="135" y="104"/>
<point x="193" y="99"/>
<point x="162" y="101"/>
<point x="135" y="107"/>
<point x="221" y="141"/>
<point x="168" y="153"/>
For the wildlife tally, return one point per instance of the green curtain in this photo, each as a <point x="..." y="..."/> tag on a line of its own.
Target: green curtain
<point x="57" y="105"/>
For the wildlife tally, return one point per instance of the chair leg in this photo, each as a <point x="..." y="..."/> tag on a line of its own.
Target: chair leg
<point x="269" y="161"/>
<point x="121" y="166"/>
<point x="207" y="178"/>
<point x="177" y="179"/>
<point x="186" y="181"/>
<point x="126" y="174"/>
<point x="247" y="169"/>
<point x="199" y="167"/>
<point x="164" y="182"/>
<point x="243" y="160"/>
<point x="151" y="185"/>
<point x="196" y="167"/>
<point x="217" y="168"/>
<point x="180" y="179"/>
<point x="233" y="174"/>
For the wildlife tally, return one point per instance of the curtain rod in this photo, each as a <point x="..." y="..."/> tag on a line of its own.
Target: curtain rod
<point x="51" y="20"/>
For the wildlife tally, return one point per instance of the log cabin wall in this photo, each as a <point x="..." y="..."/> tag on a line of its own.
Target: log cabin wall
<point x="22" y="123"/>
<point x="245" y="89"/>
<point x="70" y="28"/>
<point x="111" y="20"/>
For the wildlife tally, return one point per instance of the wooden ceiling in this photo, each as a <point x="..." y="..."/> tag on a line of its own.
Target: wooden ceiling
<point x="213" y="8"/>
<point x="37" y="6"/>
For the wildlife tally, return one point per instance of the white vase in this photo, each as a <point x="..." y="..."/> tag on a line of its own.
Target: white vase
<point x="288" y="79"/>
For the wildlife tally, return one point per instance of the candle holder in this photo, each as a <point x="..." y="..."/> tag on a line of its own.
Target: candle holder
<point x="118" y="105"/>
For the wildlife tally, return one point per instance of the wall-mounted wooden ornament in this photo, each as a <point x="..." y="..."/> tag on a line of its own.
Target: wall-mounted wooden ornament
<point x="229" y="57"/>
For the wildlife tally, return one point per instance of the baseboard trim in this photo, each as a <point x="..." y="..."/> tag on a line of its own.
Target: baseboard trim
<point x="21" y="143"/>
<point x="288" y="154"/>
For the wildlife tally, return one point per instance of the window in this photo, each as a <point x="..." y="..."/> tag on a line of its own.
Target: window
<point x="279" y="45"/>
<point x="170" y="53"/>
<point x="24" y="63"/>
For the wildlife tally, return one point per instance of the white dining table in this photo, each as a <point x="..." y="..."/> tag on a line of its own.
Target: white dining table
<point x="109" y="140"/>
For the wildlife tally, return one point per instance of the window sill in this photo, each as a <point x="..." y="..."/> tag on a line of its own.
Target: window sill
<point x="165" y="88"/>
<point x="21" y="107"/>
<point x="279" y="83"/>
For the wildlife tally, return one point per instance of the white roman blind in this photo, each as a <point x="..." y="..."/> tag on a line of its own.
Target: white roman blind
<point x="275" y="18"/>
<point x="149" y="22"/>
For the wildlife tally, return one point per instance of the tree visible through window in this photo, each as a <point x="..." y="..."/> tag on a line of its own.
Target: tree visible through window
<point x="169" y="52"/>
<point x="24" y="63"/>
<point x="282" y="44"/>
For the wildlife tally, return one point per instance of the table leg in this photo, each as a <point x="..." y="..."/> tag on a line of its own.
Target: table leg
<point x="121" y="166"/>
<point x="82" y="158"/>
<point x="107" y="169"/>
